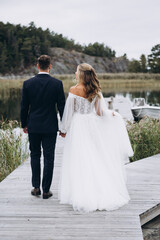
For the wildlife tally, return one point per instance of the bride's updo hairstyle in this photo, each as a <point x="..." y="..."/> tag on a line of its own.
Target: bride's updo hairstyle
<point x="87" y="76"/>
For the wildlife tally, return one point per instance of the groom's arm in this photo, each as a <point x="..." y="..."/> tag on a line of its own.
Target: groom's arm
<point x="61" y="100"/>
<point x="24" y="107"/>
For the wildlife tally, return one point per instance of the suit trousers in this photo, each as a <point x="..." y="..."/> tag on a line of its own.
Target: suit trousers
<point x="47" y="142"/>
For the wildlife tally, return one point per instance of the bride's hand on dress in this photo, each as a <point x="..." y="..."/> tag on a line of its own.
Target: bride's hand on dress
<point x="62" y="134"/>
<point x="113" y="114"/>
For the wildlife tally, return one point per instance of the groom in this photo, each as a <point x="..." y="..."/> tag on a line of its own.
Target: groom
<point x="40" y="96"/>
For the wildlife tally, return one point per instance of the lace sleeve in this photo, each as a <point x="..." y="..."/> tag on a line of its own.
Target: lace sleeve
<point x="67" y="114"/>
<point x="101" y="107"/>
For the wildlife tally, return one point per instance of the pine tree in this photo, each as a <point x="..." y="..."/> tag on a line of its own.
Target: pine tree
<point x="134" y="66"/>
<point x="154" y="59"/>
<point x="143" y="63"/>
<point x="3" y="59"/>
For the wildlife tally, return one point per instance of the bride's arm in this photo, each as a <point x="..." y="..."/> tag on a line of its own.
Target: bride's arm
<point x="98" y="108"/>
<point x="101" y="106"/>
<point x="67" y="114"/>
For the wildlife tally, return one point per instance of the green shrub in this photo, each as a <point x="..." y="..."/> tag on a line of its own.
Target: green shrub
<point x="145" y="137"/>
<point x="13" y="151"/>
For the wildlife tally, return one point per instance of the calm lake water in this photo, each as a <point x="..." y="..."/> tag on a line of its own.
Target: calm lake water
<point x="10" y="99"/>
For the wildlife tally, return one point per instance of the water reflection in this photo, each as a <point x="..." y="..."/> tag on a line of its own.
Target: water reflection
<point x="10" y="100"/>
<point x="10" y="103"/>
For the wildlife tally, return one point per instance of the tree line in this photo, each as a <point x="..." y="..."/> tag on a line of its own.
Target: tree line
<point x="21" y="45"/>
<point x="151" y="63"/>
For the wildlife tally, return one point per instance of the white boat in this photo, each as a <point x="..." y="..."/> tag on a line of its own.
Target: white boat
<point x="122" y="105"/>
<point x="140" y="109"/>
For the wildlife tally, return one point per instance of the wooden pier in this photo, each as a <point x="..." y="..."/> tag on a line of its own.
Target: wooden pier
<point x="25" y="217"/>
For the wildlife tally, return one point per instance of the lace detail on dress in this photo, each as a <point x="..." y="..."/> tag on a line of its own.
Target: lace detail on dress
<point x="82" y="105"/>
<point x="75" y="104"/>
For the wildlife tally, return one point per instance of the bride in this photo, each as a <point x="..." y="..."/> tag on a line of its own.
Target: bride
<point x="96" y="148"/>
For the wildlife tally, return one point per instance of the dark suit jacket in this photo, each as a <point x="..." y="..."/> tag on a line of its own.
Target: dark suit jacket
<point x="40" y="96"/>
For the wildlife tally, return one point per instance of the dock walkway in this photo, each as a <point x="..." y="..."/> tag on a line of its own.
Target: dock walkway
<point x="25" y="217"/>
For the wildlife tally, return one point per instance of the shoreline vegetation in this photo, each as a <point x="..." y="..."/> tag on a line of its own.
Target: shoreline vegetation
<point x="106" y="76"/>
<point x="13" y="147"/>
<point x="110" y="81"/>
<point x="145" y="138"/>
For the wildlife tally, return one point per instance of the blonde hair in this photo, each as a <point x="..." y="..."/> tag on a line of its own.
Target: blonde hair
<point x="87" y="76"/>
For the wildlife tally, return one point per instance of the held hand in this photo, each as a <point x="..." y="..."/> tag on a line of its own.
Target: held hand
<point x="62" y="134"/>
<point x="25" y="130"/>
<point x="113" y="114"/>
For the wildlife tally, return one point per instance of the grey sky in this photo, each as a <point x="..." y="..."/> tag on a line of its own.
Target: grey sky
<point x="127" y="26"/>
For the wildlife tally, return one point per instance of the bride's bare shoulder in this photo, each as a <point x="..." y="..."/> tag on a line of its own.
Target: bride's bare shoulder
<point x="72" y="89"/>
<point x="78" y="90"/>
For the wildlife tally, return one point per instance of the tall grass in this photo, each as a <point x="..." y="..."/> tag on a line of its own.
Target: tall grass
<point x="13" y="147"/>
<point x="129" y="76"/>
<point x="119" y="81"/>
<point x="108" y="81"/>
<point x="145" y="138"/>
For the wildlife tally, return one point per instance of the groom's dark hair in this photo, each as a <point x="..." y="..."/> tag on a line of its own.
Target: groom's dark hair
<point x="44" y="61"/>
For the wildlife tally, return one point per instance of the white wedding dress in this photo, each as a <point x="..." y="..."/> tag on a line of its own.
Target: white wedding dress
<point x="96" y="149"/>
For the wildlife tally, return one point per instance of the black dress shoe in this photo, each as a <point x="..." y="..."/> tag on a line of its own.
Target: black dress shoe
<point x="47" y="195"/>
<point x="36" y="192"/>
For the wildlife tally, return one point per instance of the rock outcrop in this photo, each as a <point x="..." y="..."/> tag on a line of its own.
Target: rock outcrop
<point x="65" y="62"/>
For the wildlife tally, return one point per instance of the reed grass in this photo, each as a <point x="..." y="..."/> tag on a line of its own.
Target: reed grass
<point x="129" y="76"/>
<point x="109" y="82"/>
<point x="145" y="137"/>
<point x="105" y="78"/>
<point x="118" y="81"/>
<point x="13" y="151"/>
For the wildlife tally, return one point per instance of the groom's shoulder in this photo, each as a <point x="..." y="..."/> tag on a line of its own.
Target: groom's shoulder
<point x="29" y="80"/>
<point x="35" y="79"/>
<point x="56" y="80"/>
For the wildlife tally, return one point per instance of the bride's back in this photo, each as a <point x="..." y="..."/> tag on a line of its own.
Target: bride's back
<point x="81" y="103"/>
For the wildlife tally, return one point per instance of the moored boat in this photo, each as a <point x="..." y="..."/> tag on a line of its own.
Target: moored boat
<point x="140" y="110"/>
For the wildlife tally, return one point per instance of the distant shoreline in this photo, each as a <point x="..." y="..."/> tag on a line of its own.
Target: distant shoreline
<point x="104" y="76"/>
